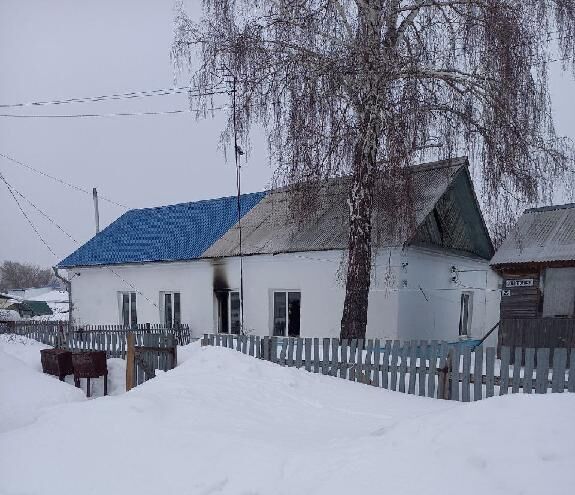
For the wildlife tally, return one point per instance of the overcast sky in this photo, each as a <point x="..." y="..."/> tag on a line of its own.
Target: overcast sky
<point x="66" y="49"/>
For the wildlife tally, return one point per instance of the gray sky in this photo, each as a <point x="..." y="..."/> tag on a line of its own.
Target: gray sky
<point x="66" y="49"/>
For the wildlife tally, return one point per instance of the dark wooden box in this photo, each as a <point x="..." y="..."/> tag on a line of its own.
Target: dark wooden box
<point x="89" y="364"/>
<point x="57" y="362"/>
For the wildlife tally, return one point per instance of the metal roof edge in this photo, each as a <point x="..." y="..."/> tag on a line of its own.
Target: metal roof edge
<point x="549" y="208"/>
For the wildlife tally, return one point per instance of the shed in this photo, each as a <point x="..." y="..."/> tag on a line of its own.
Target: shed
<point x="537" y="264"/>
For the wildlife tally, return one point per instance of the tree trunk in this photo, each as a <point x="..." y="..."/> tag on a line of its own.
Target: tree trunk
<point x="354" y="319"/>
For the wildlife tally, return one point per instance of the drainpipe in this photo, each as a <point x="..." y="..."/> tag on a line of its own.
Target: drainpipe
<point x="68" y="285"/>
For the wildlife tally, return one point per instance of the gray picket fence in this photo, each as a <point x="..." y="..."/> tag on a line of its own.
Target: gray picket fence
<point x="109" y="338"/>
<point x="428" y="369"/>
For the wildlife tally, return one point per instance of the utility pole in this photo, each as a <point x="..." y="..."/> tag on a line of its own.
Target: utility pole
<point x="96" y="211"/>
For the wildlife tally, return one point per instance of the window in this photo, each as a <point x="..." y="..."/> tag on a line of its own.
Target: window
<point x="229" y="311"/>
<point x="128" y="314"/>
<point x="286" y="313"/>
<point x="465" y="313"/>
<point x="170" y="311"/>
<point x="559" y="292"/>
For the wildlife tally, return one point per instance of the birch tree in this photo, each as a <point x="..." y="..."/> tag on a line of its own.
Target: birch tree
<point x="367" y="87"/>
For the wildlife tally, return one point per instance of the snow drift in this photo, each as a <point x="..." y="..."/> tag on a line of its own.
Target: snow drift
<point x="223" y="422"/>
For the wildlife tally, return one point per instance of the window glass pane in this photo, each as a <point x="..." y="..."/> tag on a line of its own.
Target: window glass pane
<point x="177" y="312"/>
<point x="125" y="309"/>
<point x="223" y="320"/>
<point x="279" y="313"/>
<point x="294" y="305"/>
<point x="464" y="315"/>
<point x="133" y="314"/>
<point x="559" y="292"/>
<point x="235" y="316"/>
<point x="168" y="310"/>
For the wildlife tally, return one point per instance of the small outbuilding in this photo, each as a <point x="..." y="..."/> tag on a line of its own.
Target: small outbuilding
<point x="537" y="264"/>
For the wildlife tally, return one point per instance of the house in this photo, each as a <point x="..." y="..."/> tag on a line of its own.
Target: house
<point x="51" y="302"/>
<point x="15" y="308"/>
<point x="8" y="311"/>
<point x="182" y="264"/>
<point x="537" y="264"/>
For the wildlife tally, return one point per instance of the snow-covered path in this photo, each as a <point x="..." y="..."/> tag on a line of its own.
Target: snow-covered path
<point x="223" y="422"/>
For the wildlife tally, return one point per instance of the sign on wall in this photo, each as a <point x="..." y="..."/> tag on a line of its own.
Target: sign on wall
<point x="520" y="282"/>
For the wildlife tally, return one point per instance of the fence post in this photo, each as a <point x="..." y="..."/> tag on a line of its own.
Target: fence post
<point x="130" y="362"/>
<point x="175" y="351"/>
<point x="60" y="339"/>
<point x="444" y="373"/>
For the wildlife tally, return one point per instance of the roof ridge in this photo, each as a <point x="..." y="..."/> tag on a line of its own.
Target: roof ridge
<point x="448" y="162"/>
<point x="198" y="202"/>
<point x="416" y="168"/>
<point x="550" y="208"/>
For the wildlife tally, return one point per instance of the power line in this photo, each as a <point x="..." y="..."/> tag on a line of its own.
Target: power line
<point x="45" y="215"/>
<point x="100" y="115"/>
<point x="121" y="96"/>
<point x="27" y="217"/>
<point x="61" y="181"/>
<point x="51" y="220"/>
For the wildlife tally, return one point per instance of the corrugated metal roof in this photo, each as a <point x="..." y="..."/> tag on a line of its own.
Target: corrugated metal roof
<point x="208" y="229"/>
<point x="541" y="235"/>
<point x="168" y="233"/>
<point x="270" y="227"/>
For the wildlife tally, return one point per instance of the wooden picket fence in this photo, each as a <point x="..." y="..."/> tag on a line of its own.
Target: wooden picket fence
<point x="428" y="369"/>
<point x="142" y="361"/>
<point x="109" y="338"/>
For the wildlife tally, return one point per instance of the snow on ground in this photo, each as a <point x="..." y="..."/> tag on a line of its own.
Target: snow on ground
<point x="223" y="422"/>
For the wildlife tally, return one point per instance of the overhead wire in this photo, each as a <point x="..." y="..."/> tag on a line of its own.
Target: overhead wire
<point x="13" y="190"/>
<point x="105" y="115"/>
<point x="39" y="210"/>
<point x="61" y="181"/>
<point x="26" y="216"/>
<point x="122" y="96"/>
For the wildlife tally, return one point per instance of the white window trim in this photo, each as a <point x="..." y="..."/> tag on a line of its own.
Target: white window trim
<point x="469" y="314"/>
<point x="229" y="309"/>
<point x="162" y="305"/>
<point x="120" y="296"/>
<point x="272" y="308"/>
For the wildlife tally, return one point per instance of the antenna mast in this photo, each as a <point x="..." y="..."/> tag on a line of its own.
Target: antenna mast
<point x="237" y="153"/>
<point x="96" y="209"/>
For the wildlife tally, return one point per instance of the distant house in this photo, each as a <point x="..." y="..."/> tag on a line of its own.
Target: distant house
<point x="36" y="303"/>
<point x="537" y="263"/>
<point x="181" y="264"/>
<point x="14" y="308"/>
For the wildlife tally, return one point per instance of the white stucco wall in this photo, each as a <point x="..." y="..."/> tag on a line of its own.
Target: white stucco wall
<point x="430" y="295"/>
<point x="397" y="306"/>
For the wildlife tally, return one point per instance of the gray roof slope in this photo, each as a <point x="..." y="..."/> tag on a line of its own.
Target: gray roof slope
<point x="269" y="228"/>
<point x="541" y="235"/>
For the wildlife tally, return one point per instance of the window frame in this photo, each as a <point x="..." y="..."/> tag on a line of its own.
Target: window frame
<point x="286" y="293"/>
<point x="132" y="308"/>
<point x="228" y="293"/>
<point x="172" y="293"/>
<point x="466" y="332"/>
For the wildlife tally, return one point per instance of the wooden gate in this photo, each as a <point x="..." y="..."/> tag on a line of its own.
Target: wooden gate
<point x="158" y="352"/>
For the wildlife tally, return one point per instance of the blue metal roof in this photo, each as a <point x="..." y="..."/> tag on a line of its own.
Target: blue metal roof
<point x="167" y="233"/>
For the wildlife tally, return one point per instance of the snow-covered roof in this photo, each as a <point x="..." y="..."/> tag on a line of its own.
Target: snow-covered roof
<point x="541" y="235"/>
